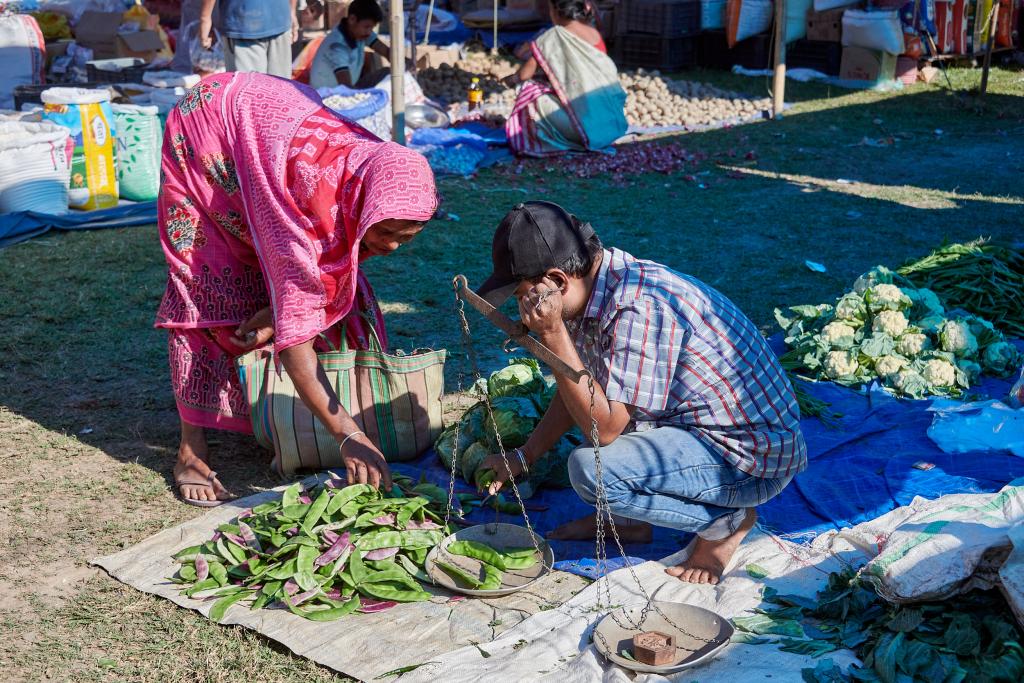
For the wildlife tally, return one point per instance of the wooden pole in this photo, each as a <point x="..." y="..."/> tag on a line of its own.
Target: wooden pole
<point x="494" y="47"/>
<point x="993" y="22"/>
<point x="397" y="72"/>
<point x="779" y="78"/>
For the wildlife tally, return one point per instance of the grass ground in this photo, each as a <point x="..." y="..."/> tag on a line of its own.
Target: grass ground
<point x="88" y="427"/>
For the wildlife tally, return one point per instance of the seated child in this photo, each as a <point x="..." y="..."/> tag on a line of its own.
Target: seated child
<point x="340" y="59"/>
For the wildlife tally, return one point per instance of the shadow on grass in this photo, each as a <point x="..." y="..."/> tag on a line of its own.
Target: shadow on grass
<point x="81" y="357"/>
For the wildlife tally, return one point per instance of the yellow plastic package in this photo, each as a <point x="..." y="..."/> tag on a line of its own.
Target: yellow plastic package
<point x="88" y="116"/>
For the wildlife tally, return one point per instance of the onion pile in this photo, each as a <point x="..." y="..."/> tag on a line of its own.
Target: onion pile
<point x="652" y="100"/>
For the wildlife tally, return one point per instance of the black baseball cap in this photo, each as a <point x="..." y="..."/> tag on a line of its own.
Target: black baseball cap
<point x="532" y="238"/>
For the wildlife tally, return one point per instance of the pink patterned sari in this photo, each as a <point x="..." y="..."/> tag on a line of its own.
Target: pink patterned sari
<point x="265" y="197"/>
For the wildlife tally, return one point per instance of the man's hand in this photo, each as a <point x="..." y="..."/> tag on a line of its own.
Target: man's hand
<point x="206" y="31"/>
<point x="364" y="464"/>
<point x="295" y="28"/>
<point x="540" y="309"/>
<point x="256" y="331"/>
<point x="496" y="464"/>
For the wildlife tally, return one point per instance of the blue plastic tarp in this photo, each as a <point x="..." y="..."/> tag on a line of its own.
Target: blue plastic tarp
<point x="875" y="458"/>
<point x="24" y="225"/>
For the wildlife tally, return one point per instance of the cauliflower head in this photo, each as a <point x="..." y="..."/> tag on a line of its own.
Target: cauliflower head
<point x="955" y="336"/>
<point x="888" y="297"/>
<point x="888" y="366"/>
<point x="850" y="308"/>
<point x="840" y="364"/>
<point x="892" y="323"/>
<point x="877" y="275"/>
<point x="939" y="373"/>
<point x="837" y="334"/>
<point x="910" y="382"/>
<point x="913" y="344"/>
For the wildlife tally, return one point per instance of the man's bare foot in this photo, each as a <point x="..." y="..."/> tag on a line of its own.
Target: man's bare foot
<point x="709" y="559"/>
<point x="192" y="470"/>
<point x="585" y="529"/>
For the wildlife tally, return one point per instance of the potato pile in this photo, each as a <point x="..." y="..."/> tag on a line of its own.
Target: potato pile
<point x="651" y="100"/>
<point x="450" y="84"/>
<point x="655" y="101"/>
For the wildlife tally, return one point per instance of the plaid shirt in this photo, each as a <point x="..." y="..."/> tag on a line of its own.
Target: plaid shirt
<point x="686" y="356"/>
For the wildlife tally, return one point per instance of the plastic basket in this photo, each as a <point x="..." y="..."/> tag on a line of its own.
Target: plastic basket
<point x="666" y="18"/>
<point x="752" y="53"/>
<point x="125" y="70"/>
<point x="33" y="94"/>
<point x="824" y="57"/>
<point x="667" y="54"/>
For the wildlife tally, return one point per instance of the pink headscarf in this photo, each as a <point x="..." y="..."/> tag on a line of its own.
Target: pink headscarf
<point x="345" y="181"/>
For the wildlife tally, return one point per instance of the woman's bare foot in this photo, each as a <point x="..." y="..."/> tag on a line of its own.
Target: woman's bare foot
<point x="192" y="470"/>
<point x="708" y="560"/>
<point x="585" y="529"/>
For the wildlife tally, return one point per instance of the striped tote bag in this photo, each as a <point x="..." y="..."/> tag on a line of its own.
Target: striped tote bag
<point x="394" y="398"/>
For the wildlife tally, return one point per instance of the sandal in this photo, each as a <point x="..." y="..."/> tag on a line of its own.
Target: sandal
<point x="211" y="482"/>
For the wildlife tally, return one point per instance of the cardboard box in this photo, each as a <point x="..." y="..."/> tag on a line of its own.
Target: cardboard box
<point x="862" y="64"/>
<point x="825" y="26"/>
<point x="432" y="56"/>
<point x="98" y="31"/>
<point x="141" y="44"/>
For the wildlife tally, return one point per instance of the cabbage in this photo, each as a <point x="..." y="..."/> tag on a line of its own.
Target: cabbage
<point x="472" y="459"/>
<point x="999" y="358"/>
<point x="926" y="303"/>
<point x="522" y="377"/>
<point x="515" y="417"/>
<point x="552" y="468"/>
<point x="471" y="428"/>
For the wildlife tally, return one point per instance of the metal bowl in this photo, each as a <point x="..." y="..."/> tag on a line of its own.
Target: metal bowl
<point x="700" y="634"/>
<point x="497" y="535"/>
<point x="425" y="116"/>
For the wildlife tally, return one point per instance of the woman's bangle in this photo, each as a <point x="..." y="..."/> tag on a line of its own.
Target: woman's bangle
<point x="347" y="437"/>
<point x="522" y="460"/>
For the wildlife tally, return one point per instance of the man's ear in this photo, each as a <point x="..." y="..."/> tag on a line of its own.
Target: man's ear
<point x="560" y="279"/>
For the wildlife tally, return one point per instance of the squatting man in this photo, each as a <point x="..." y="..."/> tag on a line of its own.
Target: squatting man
<point x="697" y="422"/>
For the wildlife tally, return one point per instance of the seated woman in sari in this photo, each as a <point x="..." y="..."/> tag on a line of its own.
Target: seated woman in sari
<point x="575" y="102"/>
<point x="269" y="204"/>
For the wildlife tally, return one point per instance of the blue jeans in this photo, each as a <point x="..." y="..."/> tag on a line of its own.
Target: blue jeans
<point x="666" y="476"/>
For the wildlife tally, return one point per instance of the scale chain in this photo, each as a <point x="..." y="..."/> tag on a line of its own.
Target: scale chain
<point x="467" y="340"/>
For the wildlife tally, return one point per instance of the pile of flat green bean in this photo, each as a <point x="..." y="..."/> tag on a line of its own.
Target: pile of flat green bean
<point x="322" y="553"/>
<point x="981" y="278"/>
<point x="493" y="563"/>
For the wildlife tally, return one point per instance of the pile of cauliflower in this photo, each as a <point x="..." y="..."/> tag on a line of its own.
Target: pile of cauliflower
<point x="897" y="335"/>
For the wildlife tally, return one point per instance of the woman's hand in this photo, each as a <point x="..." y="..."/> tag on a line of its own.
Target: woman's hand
<point x="256" y="331"/>
<point x="364" y="464"/>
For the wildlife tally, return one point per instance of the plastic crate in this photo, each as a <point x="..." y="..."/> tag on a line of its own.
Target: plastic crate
<point x="752" y="53"/>
<point x="665" y="18"/>
<point x="821" y="56"/>
<point x="124" y="70"/>
<point x="649" y="52"/>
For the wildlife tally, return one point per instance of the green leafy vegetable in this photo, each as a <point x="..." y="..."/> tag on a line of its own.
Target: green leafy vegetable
<point x="291" y="551"/>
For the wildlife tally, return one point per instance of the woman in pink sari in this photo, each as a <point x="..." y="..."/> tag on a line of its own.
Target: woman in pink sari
<point x="268" y="205"/>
